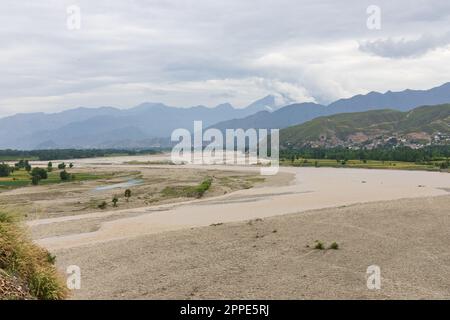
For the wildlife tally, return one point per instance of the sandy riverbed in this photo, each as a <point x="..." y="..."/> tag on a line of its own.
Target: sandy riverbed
<point x="275" y="259"/>
<point x="207" y="248"/>
<point x="312" y="188"/>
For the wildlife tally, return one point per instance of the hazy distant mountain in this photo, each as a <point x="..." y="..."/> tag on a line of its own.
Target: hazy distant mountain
<point x="268" y="103"/>
<point x="299" y="113"/>
<point x="403" y="100"/>
<point x="281" y="118"/>
<point x="371" y="127"/>
<point x="151" y="124"/>
<point x="106" y="126"/>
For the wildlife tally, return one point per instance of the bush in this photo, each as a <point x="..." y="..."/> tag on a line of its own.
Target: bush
<point x="35" y="180"/>
<point x="61" y="166"/>
<point x="21" y="164"/>
<point x="114" y="201"/>
<point x="21" y="258"/>
<point x="40" y="172"/>
<point x="334" y="246"/>
<point x="65" y="176"/>
<point x="188" y="191"/>
<point x="203" y="187"/>
<point x="5" y="170"/>
<point x="319" y="245"/>
<point x="127" y="194"/>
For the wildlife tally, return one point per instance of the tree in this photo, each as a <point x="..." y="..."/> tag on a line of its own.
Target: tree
<point x="20" y="164"/>
<point x="5" y="170"/>
<point x="35" y="180"/>
<point x="42" y="173"/>
<point x="127" y="194"/>
<point x="50" y="166"/>
<point x="61" y="166"/>
<point x="65" y="176"/>
<point x="28" y="167"/>
<point x="114" y="201"/>
<point x="71" y="165"/>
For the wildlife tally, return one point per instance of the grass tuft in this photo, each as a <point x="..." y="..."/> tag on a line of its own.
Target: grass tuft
<point x="319" y="245"/>
<point x="188" y="191"/>
<point x="334" y="246"/>
<point x="21" y="258"/>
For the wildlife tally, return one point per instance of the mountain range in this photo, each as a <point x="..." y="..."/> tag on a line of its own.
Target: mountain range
<point x="151" y="124"/>
<point x="146" y="125"/>
<point x="302" y="112"/>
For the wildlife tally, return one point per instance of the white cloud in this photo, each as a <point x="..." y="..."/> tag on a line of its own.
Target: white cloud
<point x="207" y="52"/>
<point x="403" y="48"/>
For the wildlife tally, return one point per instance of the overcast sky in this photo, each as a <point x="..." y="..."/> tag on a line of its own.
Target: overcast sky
<point x="192" y="52"/>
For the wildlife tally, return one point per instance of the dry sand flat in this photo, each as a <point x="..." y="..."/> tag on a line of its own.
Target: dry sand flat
<point x="206" y="248"/>
<point x="270" y="259"/>
<point x="313" y="188"/>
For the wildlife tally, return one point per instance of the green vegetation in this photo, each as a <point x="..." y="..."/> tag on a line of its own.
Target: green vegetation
<point x="65" y="176"/>
<point x="319" y="245"/>
<point x="30" y="264"/>
<point x="432" y="158"/>
<point x="127" y="194"/>
<point x="22" y="164"/>
<point x="5" y="170"/>
<point x="334" y="246"/>
<point x="21" y="178"/>
<point x="114" y="200"/>
<point x="39" y="172"/>
<point x="427" y="119"/>
<point x="35" y="180"/>
<point x="65" y="154"/>
<point x="188" y="191"/>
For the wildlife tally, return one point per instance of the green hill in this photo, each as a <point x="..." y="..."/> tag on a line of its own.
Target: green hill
<point x="423" y="125"/>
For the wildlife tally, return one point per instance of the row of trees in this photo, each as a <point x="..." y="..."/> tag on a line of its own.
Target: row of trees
<point x="37" y="173"/>
<point x="61" y="166"/>
<point x="426" y="154"/>
<point x="65" y="154"/>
